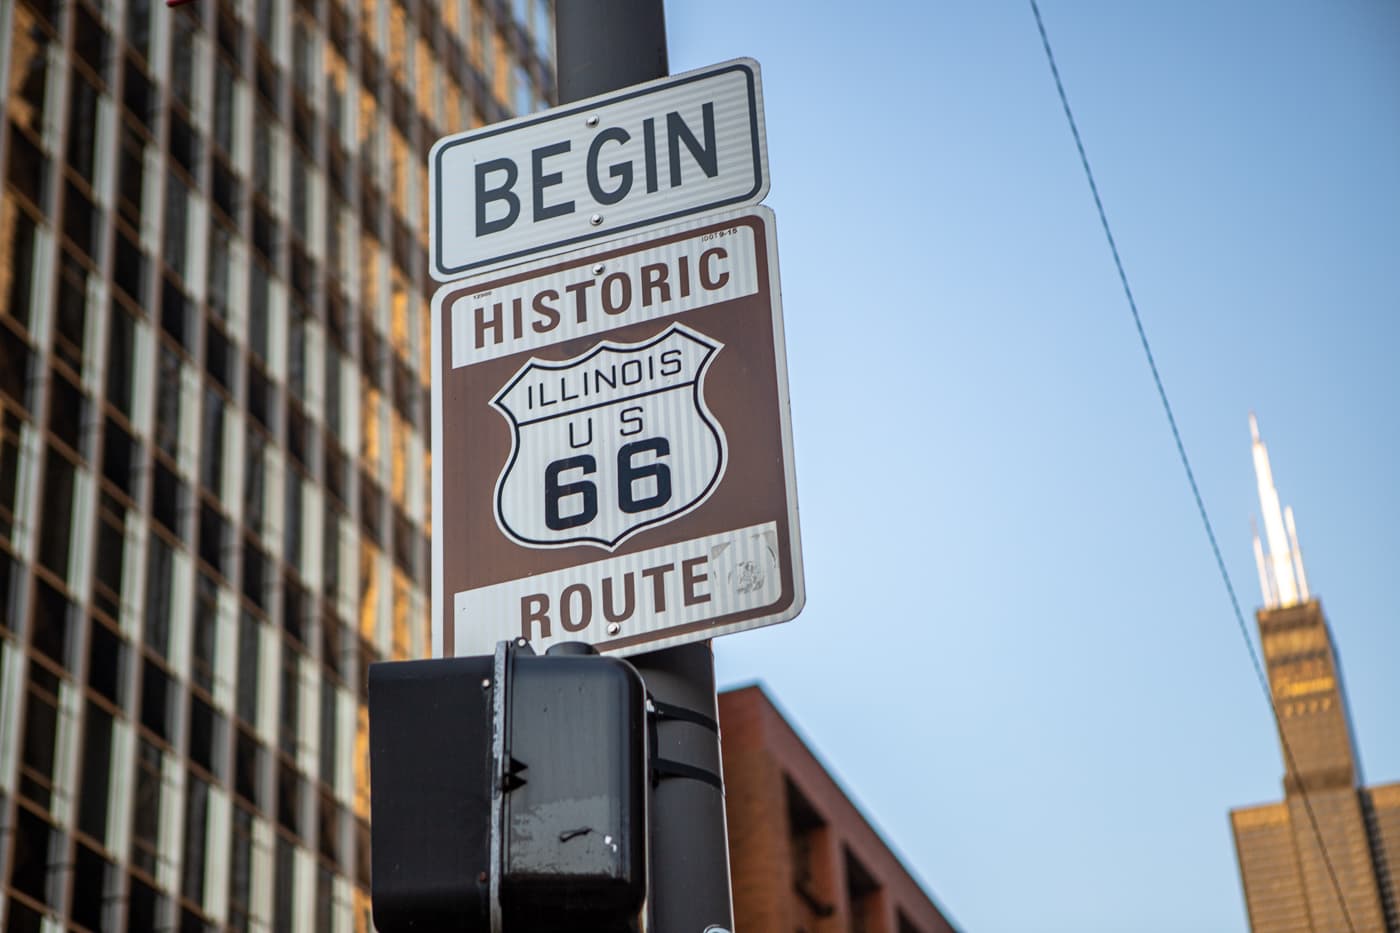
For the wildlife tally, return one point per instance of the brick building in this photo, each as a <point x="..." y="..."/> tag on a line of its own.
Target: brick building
<point x="802" y="857"/>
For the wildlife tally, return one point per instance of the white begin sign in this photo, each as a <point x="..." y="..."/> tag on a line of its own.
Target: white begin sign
<point x="665" y="149"/>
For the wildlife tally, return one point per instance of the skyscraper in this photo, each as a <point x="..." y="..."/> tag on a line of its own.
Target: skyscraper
<point x="1327" y="857"/>
<point x="213" y="436"/>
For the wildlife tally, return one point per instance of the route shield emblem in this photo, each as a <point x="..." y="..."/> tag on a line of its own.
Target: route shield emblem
<point x="609" y="443"/>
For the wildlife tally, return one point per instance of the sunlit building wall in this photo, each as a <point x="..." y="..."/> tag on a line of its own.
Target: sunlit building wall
<point x="1326" y="858"/>
<point x="214" y="443"/>
<point x="1337" y="867"/>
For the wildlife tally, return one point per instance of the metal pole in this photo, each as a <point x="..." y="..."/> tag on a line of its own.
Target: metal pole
<point x="604" y="45"/>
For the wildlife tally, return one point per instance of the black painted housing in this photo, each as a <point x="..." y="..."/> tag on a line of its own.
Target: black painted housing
<point x="575" y="781"/>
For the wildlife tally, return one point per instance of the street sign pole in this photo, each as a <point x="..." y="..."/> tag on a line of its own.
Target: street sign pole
<point x="600" y="46"/>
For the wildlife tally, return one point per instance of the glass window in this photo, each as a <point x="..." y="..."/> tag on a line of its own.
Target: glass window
<point x="29" y="69"/>
<point x="220" y="266"/>
<point x="290" y="706"/>
<point x="94" y="890"/>
<point x="523" y="91"/>
<point x="262" y="397"/>
<point x="82" y="125"/>
<point x="208" y="737"/>
<point x="146" y="909"/>
<point x="138" y="26"/>
<point x="29" y="169"/>
<point x="211" y="474"/>
<point x="18" y="235"/>
<point x="254" y="480"/>
<point x="56" y="530"/>
<point x="225" y="103"/>
<point x="255" y="564"/>
<point x="184" y="141"/>
<point x="544" y="30"/>
<point x="303" y="54"/>
<point x="328" y="757"/>
<point x="39" y="862"/>
<point x="131" y="175"/>
<point x="262" y="152"/>
<point x="285" y="876"/>
<point x="129" y="267"/>
<point x="40" y="736"/>
<point x="177" y="212"/>
<point x="176" y="312"/>
<point x="145" y="822"/>
<point x="167" y="428"/>
<point x="51" y="624"/>
<point x="206" y="645"/>
<point x="213" y="537"/>
<point x="249" y="658"/>
<point x="10" y="426"/>
<point x="70" y="332"/>
<point x="11" y="574"/>
<point x="111" y="555"/>
<point x="138" y="96"/>
<point x="249" y="756"/>
<point x="82" y="220"/>
<point x="267" y="19"/>
<point x="182" y="54"/>
<point x="196" y="822"/>
<point x="121" y="353"/>
<point x="159" y="581"/>
<point x="157" y="699"/>
<point x="108" y="660"/>
<point x="96" y="773"/>
<point x="369" y="132"/>
<point x="67" y="410"/>
<point x="301" y="195"/>
<point x="292" y="536"/>
<point x="240" y="881"/>
<point x="169" y="499"/>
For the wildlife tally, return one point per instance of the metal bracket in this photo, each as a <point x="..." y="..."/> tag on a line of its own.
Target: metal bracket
<point x="663" y="768"/>
<point x="504" y="769"/>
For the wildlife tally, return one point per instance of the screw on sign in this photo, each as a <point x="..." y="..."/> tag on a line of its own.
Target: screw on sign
<point x="612" y="457"/>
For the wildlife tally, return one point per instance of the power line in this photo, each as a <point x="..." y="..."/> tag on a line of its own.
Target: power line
<point x="1186" y="464"/>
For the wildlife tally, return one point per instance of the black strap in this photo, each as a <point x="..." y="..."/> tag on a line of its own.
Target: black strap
<point x="662" y="768"/>
<point x="671" y="711"/>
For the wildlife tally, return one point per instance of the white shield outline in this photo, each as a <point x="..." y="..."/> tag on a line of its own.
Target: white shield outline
<point x="707" y="419"/>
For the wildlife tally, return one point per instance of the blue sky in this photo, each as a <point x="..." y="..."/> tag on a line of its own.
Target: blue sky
<point x="1017" y="653"/>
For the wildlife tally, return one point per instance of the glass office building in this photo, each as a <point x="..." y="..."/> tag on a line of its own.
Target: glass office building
<point x="214" y="443"/>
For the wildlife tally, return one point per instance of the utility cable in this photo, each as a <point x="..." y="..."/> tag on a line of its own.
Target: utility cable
<point x="1186" y="465"/>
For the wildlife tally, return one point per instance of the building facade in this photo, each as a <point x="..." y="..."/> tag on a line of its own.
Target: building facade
<point x="802" y="857"/>
<point x="1327" y="857"/>
<point x="214" y="442"/>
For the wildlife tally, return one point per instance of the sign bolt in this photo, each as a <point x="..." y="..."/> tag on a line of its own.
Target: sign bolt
<point x="596" y="219"/>
<point x="486" y="683"/>
<point x="598" y="269"/>
<point x="592" y="120"/>
<point x="614" y="628"/>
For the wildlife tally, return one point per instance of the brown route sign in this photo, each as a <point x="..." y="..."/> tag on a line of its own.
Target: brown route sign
<point x="612" y="452"/>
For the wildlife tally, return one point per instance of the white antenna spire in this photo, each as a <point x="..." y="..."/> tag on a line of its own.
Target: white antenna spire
<point x="1280" y="575"/>
<point x="1266" y="585"/>
<point x="1297" y="553"/>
